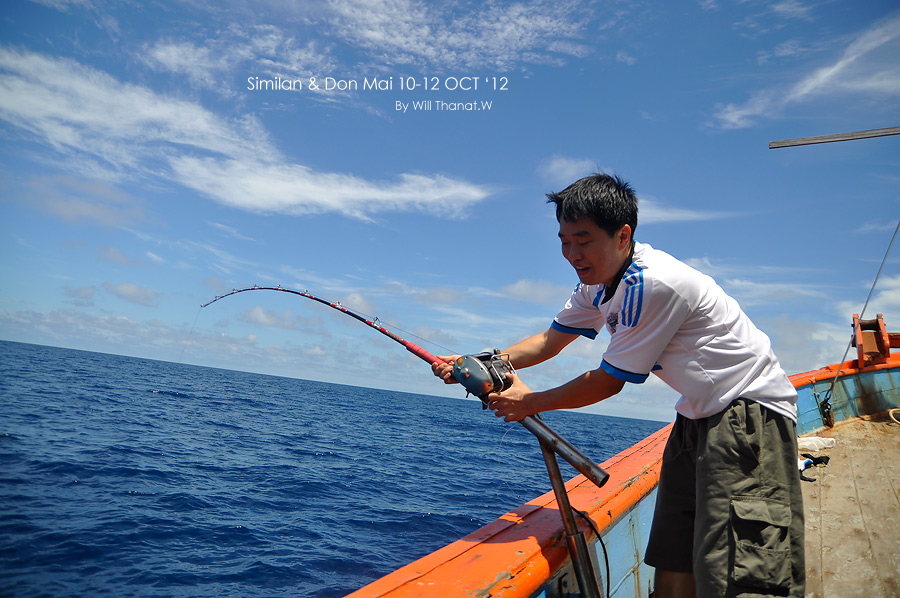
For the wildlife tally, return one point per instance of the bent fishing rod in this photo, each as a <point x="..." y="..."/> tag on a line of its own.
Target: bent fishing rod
<point x="480" y="374"/>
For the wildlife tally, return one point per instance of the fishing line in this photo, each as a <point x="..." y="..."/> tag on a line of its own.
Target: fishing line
<point x="393" y="326"/>
<point x="502" y="438"/>
<point x="480" y="374"/>
<point x="190" y="334"/>
<point x="363" y="318"/>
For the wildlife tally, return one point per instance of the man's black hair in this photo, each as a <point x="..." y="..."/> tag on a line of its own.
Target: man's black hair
<point x="606" y="199"/>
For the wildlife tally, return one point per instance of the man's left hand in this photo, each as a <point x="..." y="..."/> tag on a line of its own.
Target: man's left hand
<point x="512" y="404"/>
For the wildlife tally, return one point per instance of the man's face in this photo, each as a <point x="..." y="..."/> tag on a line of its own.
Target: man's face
<point x="596" y="256"/>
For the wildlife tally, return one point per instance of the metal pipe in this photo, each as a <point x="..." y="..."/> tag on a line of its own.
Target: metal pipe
<point x="559" y="445"/>
<point x="575" y="540"/>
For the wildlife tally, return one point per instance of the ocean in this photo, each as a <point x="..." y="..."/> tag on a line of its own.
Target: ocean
<point x="131" y="477"/>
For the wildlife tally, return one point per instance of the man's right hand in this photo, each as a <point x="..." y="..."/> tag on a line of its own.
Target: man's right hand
<point x="444" y="370"/>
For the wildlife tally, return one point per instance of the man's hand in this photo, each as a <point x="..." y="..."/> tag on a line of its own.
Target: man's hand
<point x="444" y="370"/>
<point x="512" y="404"/>
<point x="518" y="401"/>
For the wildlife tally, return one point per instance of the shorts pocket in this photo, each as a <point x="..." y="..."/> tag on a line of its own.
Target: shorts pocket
<point x="762" y="549"/>
<point x="744" y="417"/>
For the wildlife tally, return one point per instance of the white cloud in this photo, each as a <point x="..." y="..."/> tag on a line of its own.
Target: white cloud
<point x="227" y="262"/>
<point x="791" y="9"/>
<point x="538" y="291"/>
<point x="741" y="116"/>
<point x="258" y="50"/>
<point x="652" y="211"/>
<point x="125" y="131"/>
<point x="357" y="302"/>
<point x="74" y="200"/>
<point x="885" y="300"/>
<point x="64" y="5"/>
<point x="78" y="110"/>
<point x="802" y="346"/>
<point x="752" y="285"/>
<point x="788" y="49"/>
<point x="625" y="58"/>
<point x="258" y="315"/>
<point x="501" y="36"/>
<point x="868" y="65"/>
<point x="133" y="293"/>
<point x="280" y="187"/>
<point x="231" y="232"/>
<point x="889" y="295"/>
<point x="750" y="292"/>
<point x="852" y="73"/>
<point x="197" y="62"/>
<point x="705" y="265"/>
<point x="564" y="170"/>
<point x="767" y="16"/>
<point x="114" y="255"/>
<point x="82" y="296"/>
<point x="878" y="226"/>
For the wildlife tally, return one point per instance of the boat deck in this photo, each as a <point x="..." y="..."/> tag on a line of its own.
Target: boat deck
<point x="852" y="511"/>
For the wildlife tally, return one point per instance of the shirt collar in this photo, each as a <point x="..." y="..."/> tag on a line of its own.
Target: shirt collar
<point x="609" y="291"/>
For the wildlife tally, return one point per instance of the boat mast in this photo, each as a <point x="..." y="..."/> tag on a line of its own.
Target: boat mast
<point x="835" y="137"/>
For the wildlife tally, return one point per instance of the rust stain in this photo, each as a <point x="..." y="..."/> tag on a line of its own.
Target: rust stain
<point x="487" y="592"/>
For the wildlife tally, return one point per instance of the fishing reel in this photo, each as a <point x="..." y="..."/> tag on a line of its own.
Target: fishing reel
<point x="483" y="373"/>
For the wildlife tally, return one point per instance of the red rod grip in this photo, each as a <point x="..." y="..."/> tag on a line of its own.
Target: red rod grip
<point x="422" y="353"/>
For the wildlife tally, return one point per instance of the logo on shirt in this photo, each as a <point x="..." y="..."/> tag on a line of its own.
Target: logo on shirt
<point x="612" y="320"/>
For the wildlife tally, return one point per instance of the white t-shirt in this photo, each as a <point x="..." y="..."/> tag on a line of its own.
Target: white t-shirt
<point x="666" y="318"/>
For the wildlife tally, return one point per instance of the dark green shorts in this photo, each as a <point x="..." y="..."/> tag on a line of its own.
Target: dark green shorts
<point x="729" y="506"/>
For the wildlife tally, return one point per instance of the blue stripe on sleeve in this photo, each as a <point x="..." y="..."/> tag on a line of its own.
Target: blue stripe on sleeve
<point x="626" y="307"/>
<point x="622" y="374"/>
<point x="634" y="299"/>
<point x="640" y="297"/>
<point x="588" y="332"/>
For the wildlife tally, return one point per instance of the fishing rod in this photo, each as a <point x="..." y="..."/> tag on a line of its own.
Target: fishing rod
<point x="480" y="374"/>
<point x="411" y="347"/>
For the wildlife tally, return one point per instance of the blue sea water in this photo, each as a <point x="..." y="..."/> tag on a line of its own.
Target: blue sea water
<point x="130" y="477"/>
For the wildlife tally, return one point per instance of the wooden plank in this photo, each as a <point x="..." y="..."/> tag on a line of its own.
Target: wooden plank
<point x="843" y="533"/>
<point x="880" y="503"/>
<point x="853" y="536"/>
<point x="835" y="137"/>
<point x="812" y="506"/>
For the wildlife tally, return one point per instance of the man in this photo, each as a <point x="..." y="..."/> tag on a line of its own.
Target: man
<point x="729" y="513"/>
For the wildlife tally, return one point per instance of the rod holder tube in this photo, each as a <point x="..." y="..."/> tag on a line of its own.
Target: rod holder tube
<point x="559" y="445"/>
<point x="575" y="541"/>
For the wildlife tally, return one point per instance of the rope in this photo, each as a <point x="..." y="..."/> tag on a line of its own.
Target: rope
<point x="827" y="401"/>
<point x="893" y="413"/>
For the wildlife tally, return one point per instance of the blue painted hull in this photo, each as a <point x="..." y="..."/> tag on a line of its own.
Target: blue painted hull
<point x="856" y="393"/>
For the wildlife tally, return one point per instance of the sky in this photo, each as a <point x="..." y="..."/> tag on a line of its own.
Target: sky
<point x="395" y="155"/>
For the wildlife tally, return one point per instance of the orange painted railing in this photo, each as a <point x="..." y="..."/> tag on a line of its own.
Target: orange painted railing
<point x="515" y="554"/>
